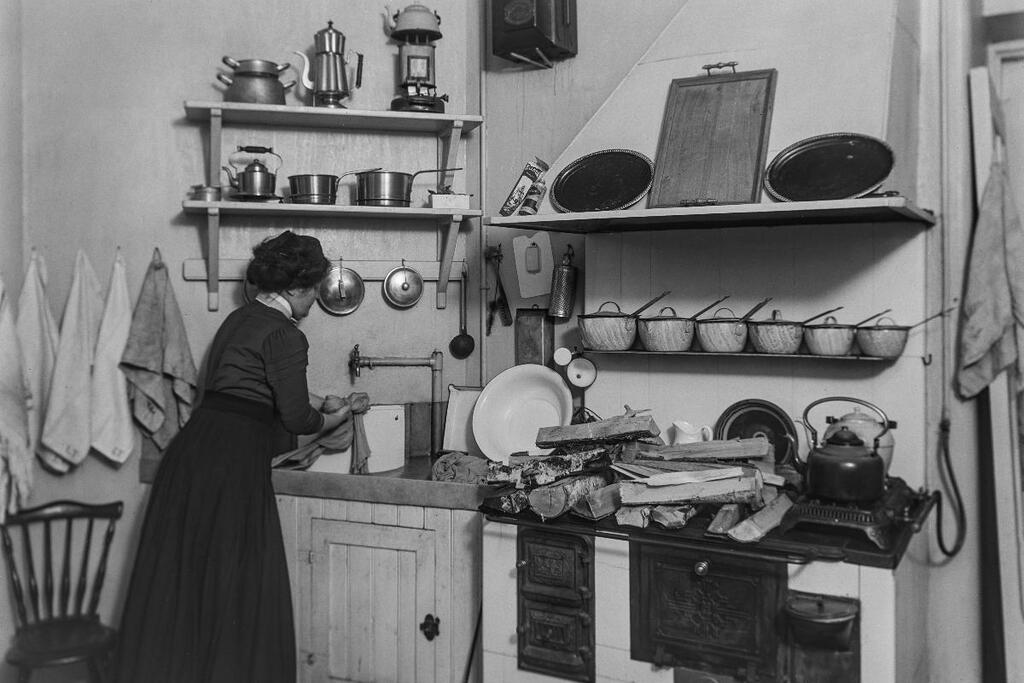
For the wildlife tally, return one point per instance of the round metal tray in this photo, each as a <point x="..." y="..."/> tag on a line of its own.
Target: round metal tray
<point x="606" y="180"/>
<point x="752" y="417"/>
<point x="832" y="166"/>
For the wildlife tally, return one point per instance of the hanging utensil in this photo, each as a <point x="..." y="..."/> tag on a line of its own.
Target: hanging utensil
<point x="403" y="286"/>
<point x="650" y="303"/>
<point x="755" y="309"/>
<point x="871" y="317"/>
<point x="933" y="316"/>
<point x="709" y="307"/>
<point x="462" y="344"/>
<point x="341" y="291"/>
<point x="815" y="317"/>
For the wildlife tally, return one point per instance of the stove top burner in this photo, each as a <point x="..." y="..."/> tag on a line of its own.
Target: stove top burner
<point x="898" y="505"/>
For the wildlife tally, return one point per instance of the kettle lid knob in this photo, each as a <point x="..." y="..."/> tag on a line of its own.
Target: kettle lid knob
<point x="844" y="436"/>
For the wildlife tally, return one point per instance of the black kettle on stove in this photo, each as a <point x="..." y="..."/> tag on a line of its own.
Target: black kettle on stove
<point x="843" y="468"/>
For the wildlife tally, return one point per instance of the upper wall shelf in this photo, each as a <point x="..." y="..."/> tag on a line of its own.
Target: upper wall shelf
<point x="325" y="210"/>
<point x="840" y="211"/>
<point x="323" y="117"/>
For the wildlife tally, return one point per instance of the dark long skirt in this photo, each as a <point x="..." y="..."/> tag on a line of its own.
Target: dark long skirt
<point x="209" y="599"/>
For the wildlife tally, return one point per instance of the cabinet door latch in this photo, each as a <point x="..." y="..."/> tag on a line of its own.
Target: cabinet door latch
<point x="431" y="626"/>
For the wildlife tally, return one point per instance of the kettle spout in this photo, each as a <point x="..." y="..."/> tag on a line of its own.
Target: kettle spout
<point x="306" y="80"/>
<point x="231" y="177"/>
<point x="390" y="20"/>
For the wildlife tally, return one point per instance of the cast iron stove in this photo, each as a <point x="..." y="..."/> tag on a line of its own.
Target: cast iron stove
<point x="878" y="520"/>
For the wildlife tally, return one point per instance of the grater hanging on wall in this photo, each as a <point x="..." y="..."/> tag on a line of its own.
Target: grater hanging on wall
<point x="563" y="287"/>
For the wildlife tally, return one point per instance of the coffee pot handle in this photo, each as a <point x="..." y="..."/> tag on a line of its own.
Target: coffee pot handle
<point x="359" y="69"/>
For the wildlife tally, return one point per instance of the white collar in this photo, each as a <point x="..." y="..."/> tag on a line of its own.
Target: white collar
<point x="278" y="302"/>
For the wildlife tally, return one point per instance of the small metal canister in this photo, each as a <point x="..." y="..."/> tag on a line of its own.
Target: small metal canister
<point x="535" y="336"/>
<point x="563" y="288"/>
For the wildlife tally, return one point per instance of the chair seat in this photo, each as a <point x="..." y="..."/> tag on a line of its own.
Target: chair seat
<point x="61" y="641"/>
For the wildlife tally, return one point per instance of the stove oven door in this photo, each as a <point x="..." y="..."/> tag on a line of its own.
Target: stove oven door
<point x="706" y="611"/>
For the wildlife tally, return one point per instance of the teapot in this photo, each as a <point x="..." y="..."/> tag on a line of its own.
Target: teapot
<point x="867" y="427"/>
<point x="844" y="468"/>
<point x="329" y="84"/>
<point x="255" y="81"/>
<point x="255" y="179"/>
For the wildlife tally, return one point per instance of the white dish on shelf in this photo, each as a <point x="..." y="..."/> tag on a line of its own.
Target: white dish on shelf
<point x="514" y="405"/>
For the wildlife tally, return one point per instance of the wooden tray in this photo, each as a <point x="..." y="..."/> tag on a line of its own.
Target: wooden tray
<point x="714" y="139"/>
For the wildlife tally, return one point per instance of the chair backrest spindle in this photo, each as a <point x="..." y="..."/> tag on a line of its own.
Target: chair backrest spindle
<point x="12" y="572"/>
<point x="83" y="572"/>
<point x="30" y="569"/>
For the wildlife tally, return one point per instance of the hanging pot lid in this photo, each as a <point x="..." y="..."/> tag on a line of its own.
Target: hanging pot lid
<point x="403" y="286"/>
<point x="831" y="166"/>
<point x="342" y="291"/>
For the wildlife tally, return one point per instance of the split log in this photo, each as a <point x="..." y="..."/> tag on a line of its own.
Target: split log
<point x="754" y="528"/>
<point x="694" y="476"/>
<point x="728" y="449"/>
<point x="672" y="517"/>
<point x="743" y="489"/>
<point x="599" y="504"/>
<point x="727" y="517"/>
<point x="556" y="499"/>
<point x="634" y="515"/>
<point x="509" y="502"/>
<point x="537" y="471"/>
<point x="618" y="428"/>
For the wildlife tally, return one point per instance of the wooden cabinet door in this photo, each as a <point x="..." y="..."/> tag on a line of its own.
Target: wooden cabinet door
<point x="372" y="587"/>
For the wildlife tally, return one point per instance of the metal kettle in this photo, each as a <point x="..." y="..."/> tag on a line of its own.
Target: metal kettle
<point x="844" y="468"/>
<point x="256" y="178"/>
<point x="329" y="83"/>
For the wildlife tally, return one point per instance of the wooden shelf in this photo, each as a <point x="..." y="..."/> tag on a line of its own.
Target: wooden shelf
<point x="326" y="210"/>
<point x="895" y="210"/>
<point x="324" y="117"/>
<point x="750" y="354"/>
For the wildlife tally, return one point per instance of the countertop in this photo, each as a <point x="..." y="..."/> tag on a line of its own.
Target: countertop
<point x="410" y="485"/>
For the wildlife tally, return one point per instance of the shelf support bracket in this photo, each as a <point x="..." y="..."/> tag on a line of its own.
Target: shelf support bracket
<point x="213" y="171"/>
<point x="212" y="259"/>
<point x="447" y="255"/>
<point x="450" y="141"/>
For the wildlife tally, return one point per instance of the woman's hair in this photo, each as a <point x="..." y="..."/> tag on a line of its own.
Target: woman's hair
<point x="287" y="261"/>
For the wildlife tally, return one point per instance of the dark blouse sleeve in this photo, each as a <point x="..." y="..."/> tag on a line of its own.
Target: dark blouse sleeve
<point x="285" y="353"/>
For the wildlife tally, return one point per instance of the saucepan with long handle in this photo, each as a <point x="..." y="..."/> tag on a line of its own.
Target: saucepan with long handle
<point x="388" y="188"/>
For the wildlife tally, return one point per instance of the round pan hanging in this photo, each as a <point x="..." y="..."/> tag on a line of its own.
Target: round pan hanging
<point x="606" y="180"/>
<point x="831" y="166"/>
<point x="403" y="286"/>
<point x="342" y="291"/>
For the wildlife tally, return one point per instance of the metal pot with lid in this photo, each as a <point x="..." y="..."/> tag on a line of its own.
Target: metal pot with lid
<point x="255" y="81"/>
<point x="403" y="286"/>
<point x="844" y="468"/>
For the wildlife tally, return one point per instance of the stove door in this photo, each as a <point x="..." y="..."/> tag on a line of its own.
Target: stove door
<point x="706" y="611"/>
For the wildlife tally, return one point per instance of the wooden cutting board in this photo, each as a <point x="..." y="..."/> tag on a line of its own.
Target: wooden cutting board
<point x="714" y="140"/>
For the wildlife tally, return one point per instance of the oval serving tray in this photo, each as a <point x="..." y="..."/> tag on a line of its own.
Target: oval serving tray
<point x="753" y="417"/>
<point x="606" y="180"/>
<point x="831" y="166"/>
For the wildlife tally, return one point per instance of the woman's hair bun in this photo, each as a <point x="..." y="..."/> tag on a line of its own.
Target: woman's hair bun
<point x="285" y="261"/>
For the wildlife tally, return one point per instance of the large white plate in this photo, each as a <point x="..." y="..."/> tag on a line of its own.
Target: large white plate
<point x="514" y="405"/>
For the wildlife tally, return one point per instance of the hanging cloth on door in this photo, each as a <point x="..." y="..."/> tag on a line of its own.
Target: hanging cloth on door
<point x="39" y="337"/>
<point x="15" y="454"/>
<point x="113" y="433"/>
<point x="66" y="430"/>
<point x="991" y="332"/>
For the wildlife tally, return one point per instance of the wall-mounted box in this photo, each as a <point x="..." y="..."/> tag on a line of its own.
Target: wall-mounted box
<point x="533" y="31"/>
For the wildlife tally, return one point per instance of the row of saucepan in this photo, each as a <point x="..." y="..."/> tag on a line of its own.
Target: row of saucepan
<point x="614" y="330"/>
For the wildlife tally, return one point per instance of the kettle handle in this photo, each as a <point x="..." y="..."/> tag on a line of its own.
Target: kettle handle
<point x="814" y="434"/>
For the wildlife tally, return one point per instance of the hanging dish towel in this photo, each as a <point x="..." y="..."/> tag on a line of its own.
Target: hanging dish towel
<point x="993" y="311"/>
<point x="39" y="338"/>
<point x="360" y="445"/>
<point x="157" y="361"/>
<point x="15" y="455"/>
<point x="334" y="441"/>
<point x="113" y="434"/>
<point x="66" y="429"/>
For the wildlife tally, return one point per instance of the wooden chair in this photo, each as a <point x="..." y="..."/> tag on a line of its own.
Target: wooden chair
<point x="70" y="631"/>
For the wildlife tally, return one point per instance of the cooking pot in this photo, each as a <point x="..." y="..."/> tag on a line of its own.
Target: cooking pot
<point x="829" y="338"/>
<point x="844" y="468"/>
<point x="317" y="188"/>
<point x="867" y="428"/>
<point x="388" y="188"/>
<point x="883" y="341"/>
<point x="666" y="332"/>
<point x="722" y="334"/>
<point x="607" y="330"/>
<point x="256" y="179"/>
<point x="255" y="81"/>
<point x="775" y="335"/>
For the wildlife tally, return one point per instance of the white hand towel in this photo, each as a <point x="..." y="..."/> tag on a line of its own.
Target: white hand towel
<point x="66" y="429"/>
<point x="113" y="434"/>
<point x="15" y="456"/>
<point x="39" y="337"/>
<point x="157" y="361"/>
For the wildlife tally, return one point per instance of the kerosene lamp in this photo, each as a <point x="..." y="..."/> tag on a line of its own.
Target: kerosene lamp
<point x="415" y="27"/>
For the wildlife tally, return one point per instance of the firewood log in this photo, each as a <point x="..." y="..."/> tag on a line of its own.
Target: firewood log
<point x="556" y="499"/>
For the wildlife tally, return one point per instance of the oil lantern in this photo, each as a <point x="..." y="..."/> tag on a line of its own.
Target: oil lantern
<point x="415" y="28"/>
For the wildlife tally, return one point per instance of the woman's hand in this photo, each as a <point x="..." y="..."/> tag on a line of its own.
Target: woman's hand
<point x="358" y="402"/>
<point x="333" y="404"/>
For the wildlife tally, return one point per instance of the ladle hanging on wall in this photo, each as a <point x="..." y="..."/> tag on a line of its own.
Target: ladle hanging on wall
<point x="462" y="344"/>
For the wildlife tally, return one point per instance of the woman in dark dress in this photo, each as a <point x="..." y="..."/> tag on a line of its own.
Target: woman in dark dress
<point x="209" y="599"/>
